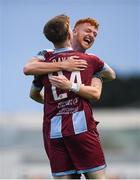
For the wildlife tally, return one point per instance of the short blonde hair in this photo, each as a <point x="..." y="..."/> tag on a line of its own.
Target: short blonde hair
<point x="92" y="21"/>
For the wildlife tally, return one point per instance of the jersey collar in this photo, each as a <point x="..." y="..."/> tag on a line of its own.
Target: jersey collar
<point x="62" y="50"/>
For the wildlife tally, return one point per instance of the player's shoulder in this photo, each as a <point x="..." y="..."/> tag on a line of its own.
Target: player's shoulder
<point x="42" y="54"/>
<point x="93" y="55"/>
<point x="44" y="51"/>
<point x="96" y="58"/>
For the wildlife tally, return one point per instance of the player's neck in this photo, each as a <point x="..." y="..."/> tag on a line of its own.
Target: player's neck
<point x="78" y="48"/>
<point x="65" y="44"/>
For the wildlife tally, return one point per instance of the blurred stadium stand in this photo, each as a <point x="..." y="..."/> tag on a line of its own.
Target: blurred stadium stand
<point x="21" y="146"/>
<point x="122" y="92"/>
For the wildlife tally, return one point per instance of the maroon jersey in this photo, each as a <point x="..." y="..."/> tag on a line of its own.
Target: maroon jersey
<point x="66" y="113"/>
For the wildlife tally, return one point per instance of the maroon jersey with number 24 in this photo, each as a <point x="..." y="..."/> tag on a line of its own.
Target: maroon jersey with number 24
<point x="66" y="113"/>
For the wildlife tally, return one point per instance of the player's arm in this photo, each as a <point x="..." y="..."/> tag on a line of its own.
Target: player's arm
<point x="93" y="91"/>
<point x="35" y="91"/>
<point x="89" y="92"/>
<point x="107" y="73"/>
<point x="36" y="95"/>
<point x="102" y="69"/>
<point x="37" y="67"/>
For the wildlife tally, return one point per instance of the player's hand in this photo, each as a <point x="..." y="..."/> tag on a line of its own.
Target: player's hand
<point x="60" y="82"/>
<point x="73" y="63"/>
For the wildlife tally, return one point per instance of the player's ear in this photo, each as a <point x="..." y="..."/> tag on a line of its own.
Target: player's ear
<point x="74" y="32"/>
<point x="70" y="35"/>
